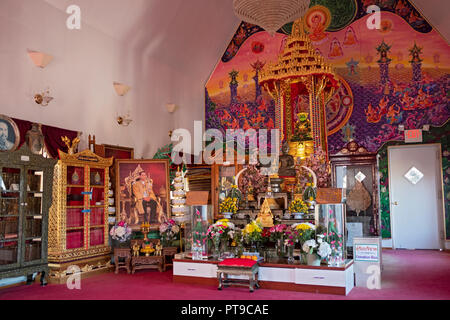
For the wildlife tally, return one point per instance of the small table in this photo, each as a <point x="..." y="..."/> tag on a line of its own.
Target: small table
<point x="122" y="253"/>
<point x="150" y="262"/>
<point x="168" y="254"/>
<point x="230" y="268"/>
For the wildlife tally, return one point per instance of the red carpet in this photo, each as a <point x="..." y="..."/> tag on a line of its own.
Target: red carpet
<point x="407" y="274"/>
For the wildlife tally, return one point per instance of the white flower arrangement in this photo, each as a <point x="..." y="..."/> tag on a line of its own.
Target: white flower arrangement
<point x="324" y="250"/>
<point x="309" y="246"/>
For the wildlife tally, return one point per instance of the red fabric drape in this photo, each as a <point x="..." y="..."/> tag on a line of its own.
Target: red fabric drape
<point x="53" y="142"/>
<point x="52" y="136"/>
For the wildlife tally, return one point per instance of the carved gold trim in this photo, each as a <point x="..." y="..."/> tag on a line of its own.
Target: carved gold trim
<point x="57" y="250"/>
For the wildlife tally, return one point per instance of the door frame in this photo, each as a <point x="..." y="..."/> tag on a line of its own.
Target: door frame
<point x="441" y="216"/>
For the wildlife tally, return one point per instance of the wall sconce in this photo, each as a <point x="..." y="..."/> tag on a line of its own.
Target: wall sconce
<point x="43" y="98"/>
<point x="40" y="59"/>
<point x="170" y="107"/>
<point x="121" y="89"/>
<point x="124" y="120"/>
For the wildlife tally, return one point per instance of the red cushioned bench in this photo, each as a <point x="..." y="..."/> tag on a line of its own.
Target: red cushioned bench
<point x="239" y="267"/>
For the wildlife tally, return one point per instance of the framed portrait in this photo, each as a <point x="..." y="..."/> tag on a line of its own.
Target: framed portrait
<point x="9" y="134"/>
<point x="142" y="192"/>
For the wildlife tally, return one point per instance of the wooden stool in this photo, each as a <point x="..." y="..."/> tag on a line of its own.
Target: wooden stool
<point x="122" y="253"/>
<point x="239" y="267"/>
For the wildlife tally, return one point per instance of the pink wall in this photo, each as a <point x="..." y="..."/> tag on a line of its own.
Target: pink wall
<point x="80" y="77"/>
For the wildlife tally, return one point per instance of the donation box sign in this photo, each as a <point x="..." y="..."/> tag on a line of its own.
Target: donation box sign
<point x="367" y="262"/>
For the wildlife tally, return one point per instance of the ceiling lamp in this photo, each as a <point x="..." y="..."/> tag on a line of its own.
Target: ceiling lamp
<point x="270" y="15"/>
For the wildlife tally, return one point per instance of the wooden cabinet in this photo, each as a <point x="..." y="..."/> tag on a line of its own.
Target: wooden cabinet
<point x="351" y="166"/>
<point x="26" y="191"/>
<point x="78" y="223"/>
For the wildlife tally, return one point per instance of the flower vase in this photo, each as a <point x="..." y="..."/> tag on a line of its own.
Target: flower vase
<point x="223" y="247"/>
<point x="216" y="253"/>
<point x="227" y="215"/>
<point x="298" y="215"/>
<point x="280" y="247"/>
<point x="290" y="251"/>
<point x="312" y="259"/>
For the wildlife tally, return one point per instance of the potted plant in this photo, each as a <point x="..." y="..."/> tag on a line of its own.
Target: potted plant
<point x="252" y="233"/>
<point x="121" y="235"/>
<point x="290" y="238"/>
<point x="228" y="207"/>
<point x="220" y="233"/>
<point x="277" y="236"/>
<point x="168" y="231"/>
<point x="298" y="208"/>
<point x="315" y="248"/>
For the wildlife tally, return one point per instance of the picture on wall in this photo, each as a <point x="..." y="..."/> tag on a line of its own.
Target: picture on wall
<point x="9" y="134"/>
<point x="142" y="193"/>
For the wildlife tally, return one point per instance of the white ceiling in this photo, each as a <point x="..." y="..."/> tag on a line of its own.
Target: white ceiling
<point x="170" y="29"/>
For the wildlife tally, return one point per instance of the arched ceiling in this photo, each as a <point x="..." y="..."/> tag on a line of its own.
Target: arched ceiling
<point x="187" y="35"/>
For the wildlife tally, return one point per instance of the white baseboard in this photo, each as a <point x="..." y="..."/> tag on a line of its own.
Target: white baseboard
<point x="386" y="243"/>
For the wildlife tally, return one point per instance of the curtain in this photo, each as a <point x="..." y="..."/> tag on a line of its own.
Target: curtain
<point x="52" y="136"/>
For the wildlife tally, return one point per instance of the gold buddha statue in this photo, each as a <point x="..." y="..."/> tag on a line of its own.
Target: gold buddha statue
<point x="265" y="216"/>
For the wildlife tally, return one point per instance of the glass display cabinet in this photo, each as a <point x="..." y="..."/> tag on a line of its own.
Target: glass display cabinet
<point x="355" y="170"/>
<point x="25" y="199"/>
<point x="331" y="218"/>
<point x="195" y="228"/>
<point x="79" y="214"/>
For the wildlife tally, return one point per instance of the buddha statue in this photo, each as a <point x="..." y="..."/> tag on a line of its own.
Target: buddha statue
<point x="265" y="217"/>
<point x="287" y="162"/>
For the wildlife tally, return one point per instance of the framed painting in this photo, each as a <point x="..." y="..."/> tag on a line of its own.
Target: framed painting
<point x="142" y="192"/>
<point x="9" y="134"/>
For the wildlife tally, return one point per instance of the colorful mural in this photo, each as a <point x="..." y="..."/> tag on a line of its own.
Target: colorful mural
<point x="396" y="75"/>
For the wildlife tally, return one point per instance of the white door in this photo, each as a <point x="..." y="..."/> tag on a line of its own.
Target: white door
<point x="415" y="194"/>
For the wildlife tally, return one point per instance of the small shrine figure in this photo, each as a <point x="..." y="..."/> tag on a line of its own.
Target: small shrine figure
<point x="158" y="249"/>
<point x="136" y="248"/>
<point x="265" y="216"/>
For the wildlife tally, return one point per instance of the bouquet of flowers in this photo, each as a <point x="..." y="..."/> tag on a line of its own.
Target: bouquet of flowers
<point x="229" y="204"/>
<point x="298" y="206"/>
<point x="277" y="232"/>
<point x="305" y="231"/>
<point x="222" y="229"/>
<point x="319" y="247"/>
<point x="121" y="232"/>
<point x="252" y="232"/>
<point x="290" y="236"/>
<point x="168" y="231"/>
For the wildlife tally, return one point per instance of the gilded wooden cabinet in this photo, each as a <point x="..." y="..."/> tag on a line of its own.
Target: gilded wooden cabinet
<point x="25" y="199"/>
<point x="78" y="224"/>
